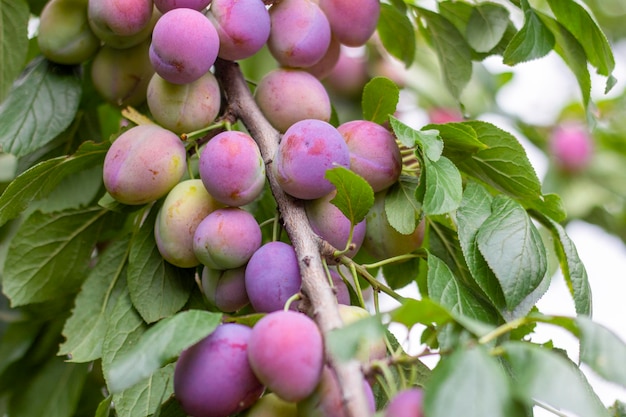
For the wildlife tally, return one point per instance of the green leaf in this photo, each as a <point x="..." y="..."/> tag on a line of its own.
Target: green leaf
<point x="455" y="56"/>
<point x="41" y="105"/>
<point x="486" y="26"/>
<point x="13" y="41"/>
<point x="460" y="140"/>
<point x="474" y="210"/>
<point x="549" y="377"/>
<point x="514" y="250"/>
<point x="533" y="41"/>
<point x="580" y="24"/>
<point x="16" y="339"/>
<point x="443" y="186"/>
<point x="401" y="207"/>
<point x="39" y="181"/>
<point x="84" y="330"/>
<point x="400" y="274"/>
<point x="160" y="345"/>
<point x="428" y="141"/>
<point x="145" y="398"/>
<point x="74" y="191"/>
<point x="344" y="343"/>
<point x="104" y="408"/>
<point x="396" y="33"/>
<point x="503" y="165"/>
<point x="57" y="387"/>
<point x="59" y="248"/>
<point x="354" y="197"/>
<point x="158" y="289"/>
<point x="380" y="98"/>
<point x="468" y="383"/>
<point x="602" y="350"/>
<point x="424" y="311"/>
<point x="572" y="267"/>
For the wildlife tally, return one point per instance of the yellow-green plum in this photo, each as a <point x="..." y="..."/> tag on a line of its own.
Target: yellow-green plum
<point x="143" y="164"/>
<point x="185" y="206"/>
<point x="369" y="349"/>
<point x="64" y="33"/>
<point x="271" y="405"/>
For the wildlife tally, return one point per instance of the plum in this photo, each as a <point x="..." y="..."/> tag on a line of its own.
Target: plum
<point x="369" y="349"/>
<point x="571" y="147"/>
<point x="406" y="403"/>
<point x="271" y="405"/>
<point x="225" y="289"/>
<point x="353" y="22"/>
<point x="167" y="5"/>
<point x="122" y="24"/>
<point x="143" y="164"/>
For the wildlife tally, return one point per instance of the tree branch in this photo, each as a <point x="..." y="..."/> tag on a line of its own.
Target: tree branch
<point x="315" y="286"/>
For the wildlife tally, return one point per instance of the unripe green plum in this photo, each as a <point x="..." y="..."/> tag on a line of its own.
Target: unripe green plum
<point x="64" y="33"/>
<point x="122" y="24"/>
<point x="286" y="96"/>
<point x="406" y="403"/>
<point x="271" y="405"/>
<point x="226" y="289"/>
<point x="184" y="108"/>
<point x="185" y="206"/>
<point x="382" y="241"/>
<point x="369" y="349"/>
<point x="143" y="164"/>
<point x="121" y="76"/>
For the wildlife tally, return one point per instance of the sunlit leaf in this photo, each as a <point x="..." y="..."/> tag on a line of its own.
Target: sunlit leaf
<point x="401" y="207"/>
<point x="602" y="350"/>
<point x="486" y="26"/>
<point x="354" y="196"/>
<point x="443" y="186"/>
<point x="380" y="98"/>
<point x="534" y="40"/>
<point x="396" y="33"/>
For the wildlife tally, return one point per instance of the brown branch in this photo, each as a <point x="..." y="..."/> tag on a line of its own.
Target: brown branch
<point x="315" y="286"/>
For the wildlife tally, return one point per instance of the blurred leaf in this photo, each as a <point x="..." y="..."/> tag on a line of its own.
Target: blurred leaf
<point x="354" y="196"/>
<point x="453" y="51"/>
<point x="484" y="385"/>
<point x="514" y="250"/>
<point x="74" y="191"/>
<point x="84" y="330"/>
<point x="618" y="409"/>
<point x="57" y="386"/>
<point x="13" y="41"/>
<point x="401" y="207"/>
<point x="602" y="350"/>
<point x="424" y="311"/>
<point x="41" y="105"/>
<point x="396" y="33"/>
<point x="170" y="408"/>
<point x="428" y="141"/>
<point x="580" y="24"/>
<point x="59" y="247"/>
<point x="486" y="26"/>
<point x="41" y="179"/>
<point x="380" y="98"/>
<point x="158" y="346"/>
<point x="16" y="339"/>
<point x="549" y="377"/>
<point x="400" y="274"/>
<point x="345" y="342"/>
<point x="443" y="186"/>
<point x="534" y="40"/>
<point x="474" y="210"/>
<point x="158" y="289"/>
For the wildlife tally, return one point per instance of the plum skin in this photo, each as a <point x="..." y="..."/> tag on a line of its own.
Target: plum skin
<point x="272" y="277"/>
<point x="362" y="21"/>
<point x="571" y="146"/>
<point x="232" y="169"/>
<point x="225" y="289"/>
<point x="184" y="45"/>
<point x="227" y="238"/>
<point x="213" y="377"/>
<point x="143" y="164"/>
<point x="271" y="405"/>
<point x="122" y="24"/>
<point x="286" y="353"/>
<point x="167" y="5"/>
<point x="406" y="403"/>
<point x="307" y="150"/>
<point x="185" y="206"/>
<point x="286" y="96"/>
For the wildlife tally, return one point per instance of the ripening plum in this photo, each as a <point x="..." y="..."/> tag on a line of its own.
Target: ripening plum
<point x="271" y="405"/>
<point x="329" y="223"/>
<point x="213" y="377"/>
<point x="226" y="290"/>
<point x="571" y="147"/>
<point x="327" y="401"/>
<point x="382" y="241"/>
<point x="359" y="26"/>
<point x="232" y="168"/>
<point x="143" y="164"/>
<point x="243" y="27"/>
<point x="185" y="206"/>
<point x="272" y="276"/>
<point x="121" y="76"/>
<point x="350" y="73"/>
<point x="406" y="403"/>
<point x="122" y="24"/>
<point x="286" y="96"/>
<point x="64" y="33"/>
<point x="184" y="45"/>
<point x="184" y="108"/>
<point x="441" y="115"/>
<point x="286" y="353"/>
<point x="369" y="349"/>
<point x="167" y="5"/>
<point x="324" y="66"/>
<point x="300" y="33"/>
<point x="307" y="150"/>
<point x="227" y="238"/>
<point x="374" y="153"/>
